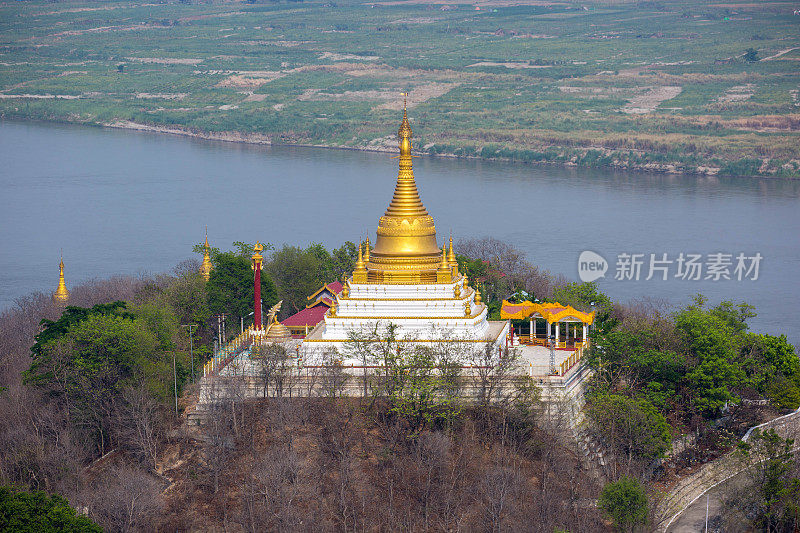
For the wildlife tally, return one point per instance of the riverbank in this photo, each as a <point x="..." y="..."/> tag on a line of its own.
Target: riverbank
<point x="389" y="147"/>
<point x="586" y="86"/>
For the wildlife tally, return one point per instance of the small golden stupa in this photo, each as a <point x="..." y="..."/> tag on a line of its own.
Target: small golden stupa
<point x="61" y="294"/>
<point x="205" y="268"/>
<point x="276" y="332"/>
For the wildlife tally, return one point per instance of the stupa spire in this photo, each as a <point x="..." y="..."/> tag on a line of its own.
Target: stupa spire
<point x="406" y="201"/>
<point x="451" y="258"/>
<point x="360" y="272"/>
<point x="406" y="248"/>
<point x="61" y="294"/>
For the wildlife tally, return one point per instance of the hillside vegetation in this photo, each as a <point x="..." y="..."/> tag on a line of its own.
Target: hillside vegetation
<point x="700" y="87"/>
<point x="88" y="411"/>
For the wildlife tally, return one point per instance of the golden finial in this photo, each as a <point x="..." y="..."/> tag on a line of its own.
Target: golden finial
<point x="405" y="128"/>
<point x="360" y="262"/>
<point x="443" y="273"/>
<point x="366" y="251"/>
<point x="61" y="294"/>
<point x="205" y="268"/>
<point x="451" y="258"/>
<point x="467" y="310"/>
<point x="257" y="257"/>
<point x="478" y="300"/>
<point x="346" y="290"/>
<point x="360" y="272"/>
<point x="457" y="290"/>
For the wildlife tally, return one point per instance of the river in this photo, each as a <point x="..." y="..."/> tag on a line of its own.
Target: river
<point x="124" y="202"/>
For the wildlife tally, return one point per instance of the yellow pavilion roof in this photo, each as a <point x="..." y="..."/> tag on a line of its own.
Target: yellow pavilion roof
<point x="552" y="312"/>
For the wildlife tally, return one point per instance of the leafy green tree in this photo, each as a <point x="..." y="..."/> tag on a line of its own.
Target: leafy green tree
<point x="54" y="330"/>
<point x="625" y="502"/>
<point x="88" y="362"/>
<point x="751" y="55"/>
<point x="241" y="249"/>
<point x="773" y="368"/>
<point x="631" y="359"/>
<point x="188" y="296"/>
<point x="582" y="296"/>
<point x="775" y="481"/>
<point x="36" y="512"/>
<point x="420" y="390"/>
<point x="344" y="259"/>
<point x="714" y="341"/>
<point x="635" y="428"/>
<point x="299" y="272"/>
<point x="779" y="353"/>
<point x="230" y="288"/>
<point x="88" y="366"/>
<point x="783" y="393"/>
<point x="734" y="315"/>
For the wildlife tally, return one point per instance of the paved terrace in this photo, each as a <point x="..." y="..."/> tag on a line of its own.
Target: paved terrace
<point x="234" y="357"/>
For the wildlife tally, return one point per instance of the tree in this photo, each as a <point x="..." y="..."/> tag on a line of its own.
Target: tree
<point x="419" y="391"/>
<point x="373" y="345"/>
<point x="634" y="428"/>
<point x="125" y="499"/>
<point x="36" y="512"/>
<point x="492" y="366"/>
<point x="333" y="377"/>
<point x="712" y="337"/>
<point x="298" y="273"/>
<point x="751" y="55"/>
<point x="88" y="365"/>
<point x="55" y="330"/>
<point x="88" y="358"/>
<point x="230" y="288"/>
<point x="582" y="296"/>
<point x="773" y="476"/>
<point x="625" y="502"/>
<point x="772" y="368"/>
<point x="274" y="366"/>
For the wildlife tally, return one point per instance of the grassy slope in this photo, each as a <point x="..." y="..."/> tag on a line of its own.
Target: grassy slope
<point x="647" y="85"/>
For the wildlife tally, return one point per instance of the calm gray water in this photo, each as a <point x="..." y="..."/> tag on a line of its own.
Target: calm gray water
<point x="120" y="202"/>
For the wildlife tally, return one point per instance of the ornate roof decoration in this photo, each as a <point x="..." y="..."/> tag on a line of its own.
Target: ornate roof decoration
<point x="552" y="312"/>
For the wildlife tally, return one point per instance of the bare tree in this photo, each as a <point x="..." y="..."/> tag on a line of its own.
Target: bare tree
<point x="518" y="272"/>
<point x="140" y="425"/>
<point x="373" y="344"/>
<point x="495" y="375"/>
<point x="272" y="489"/>
<point x="218" y="428"/>
<point x="124" y="499"/>
<point x="333" y="378"/>
<point x="274" y="366"/>
<point x="498" y="490"/>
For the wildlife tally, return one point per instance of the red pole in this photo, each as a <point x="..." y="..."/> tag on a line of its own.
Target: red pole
<point x="257" y="259"/>
<point x="257" y="296"/>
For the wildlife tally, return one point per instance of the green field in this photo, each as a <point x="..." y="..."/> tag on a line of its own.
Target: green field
<point x="654" y="85"/>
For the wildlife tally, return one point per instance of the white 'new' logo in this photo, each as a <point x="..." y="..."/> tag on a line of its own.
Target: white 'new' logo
<point x="591" y="266"/>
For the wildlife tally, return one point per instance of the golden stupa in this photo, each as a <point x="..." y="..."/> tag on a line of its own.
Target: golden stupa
<point x="61" y="294"/>
<point x="405" y="250"/>
<point x="205" y="268"/>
